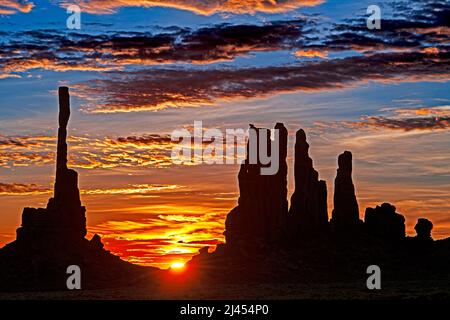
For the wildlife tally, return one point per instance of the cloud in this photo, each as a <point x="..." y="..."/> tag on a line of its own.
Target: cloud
<point x="50" y="50"/>
<point x="310" y="53"/>
<point x="8" y="189"/>
<point x="146" y="150"/>
<point x="438" y="111"/>
<point x="23" y="189"/>
<point x="197" y="6"/>
<point x="24" y="159"/>
<point x="87" y="152"/>
<point x="141" y="189"/>
<point x="425" y="119"/>
<point x="59" y="52"/>
<point x="18" y="65"/>
<point x="145" y="140"/>
<point x="407" y="124"/>
<point x="418" y="24"/>
<point x="150" y="90"/>
<point x="14" y="6"/>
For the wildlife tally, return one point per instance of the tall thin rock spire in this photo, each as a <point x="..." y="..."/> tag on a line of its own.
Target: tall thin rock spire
<point x="346" y="210"/>
<point x="308" y="212"/>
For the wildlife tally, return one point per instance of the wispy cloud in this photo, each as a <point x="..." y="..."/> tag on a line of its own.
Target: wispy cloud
<point x="24" y="189"/>
<point x="87" y="152"/>
<point x="198" y="6"/>
<point x="141" y="189"/>
<point x="421" y="119"/>
<point x="407" y="124"/>
<point x="15" y="6"/>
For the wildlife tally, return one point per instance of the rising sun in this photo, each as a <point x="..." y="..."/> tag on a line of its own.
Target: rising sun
<point x="177" y="266"/>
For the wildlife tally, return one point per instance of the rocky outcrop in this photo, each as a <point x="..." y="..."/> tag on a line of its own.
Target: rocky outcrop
<point x="308" y="214"/>
<point x="383" y="222"/>
<point x="346" y="212"/>
<point x="262" y="206"/>
<point x="423" y="229"/>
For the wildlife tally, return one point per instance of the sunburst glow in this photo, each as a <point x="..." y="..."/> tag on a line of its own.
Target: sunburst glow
<point x="177" y="266"/>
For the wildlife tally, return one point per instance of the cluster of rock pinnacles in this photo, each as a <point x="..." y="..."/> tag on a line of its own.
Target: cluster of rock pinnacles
<point x="262" y="214"/>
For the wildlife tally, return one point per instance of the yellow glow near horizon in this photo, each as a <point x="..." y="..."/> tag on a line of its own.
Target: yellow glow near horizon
<point x="177" y="265"/>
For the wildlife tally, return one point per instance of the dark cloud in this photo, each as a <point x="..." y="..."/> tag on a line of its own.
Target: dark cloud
<point x="418" y="26"/>
<point x="407" y="124"/>
<point x="144" y="140"/>
<point x="11" y="142"/>
<point x="406" y="120"/>
<point x="12" y="189"/>
<point x="50" y="50"/>
<point x="163" y="88"/>
<point x="415" y="24"/>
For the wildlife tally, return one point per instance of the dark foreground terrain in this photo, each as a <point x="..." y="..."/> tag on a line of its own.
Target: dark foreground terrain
<point x="436" y="290"/>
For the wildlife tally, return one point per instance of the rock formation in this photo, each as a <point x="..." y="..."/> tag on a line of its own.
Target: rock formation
<point x="384" y="223"/>
<point x="311" y="248"/>
<point x="423" y="229"/>
<point x="64" y="218"/>
<point x="280" y="180"/>
<point x="346" y="211"/>
<point x="262" y="205"/>
<point x="51" y="239"/>
<point x="308" y="213"/>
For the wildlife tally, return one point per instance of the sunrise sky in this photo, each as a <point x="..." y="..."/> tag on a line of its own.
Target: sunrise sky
<point x="139" y="69"/>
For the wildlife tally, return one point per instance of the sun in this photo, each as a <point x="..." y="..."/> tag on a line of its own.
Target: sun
<point x="177" y="266"/>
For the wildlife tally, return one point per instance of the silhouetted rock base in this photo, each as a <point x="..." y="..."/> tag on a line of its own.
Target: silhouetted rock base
<point x="330" y="259"/>
<point x="42" y="266"/>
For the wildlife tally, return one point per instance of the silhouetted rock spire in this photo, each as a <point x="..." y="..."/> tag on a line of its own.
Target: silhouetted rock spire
<point x="346" y="211"/>
<point x="53" y="238"/>
<point x="64" y="218"/>
<point x="262" y="205"/>
<point x="66" y="182"/>
<point x="308" y="213"/>
<point x="280" y="203"/>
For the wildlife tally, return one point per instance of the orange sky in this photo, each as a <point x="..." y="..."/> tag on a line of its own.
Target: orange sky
<point x="181" y="209"/>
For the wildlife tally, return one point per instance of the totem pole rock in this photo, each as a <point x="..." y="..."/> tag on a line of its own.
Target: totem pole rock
<point x="64" y="218"/>
<point x="51" y="239"/>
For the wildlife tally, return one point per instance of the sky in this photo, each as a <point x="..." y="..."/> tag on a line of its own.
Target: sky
<point x="139" y="69"/>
